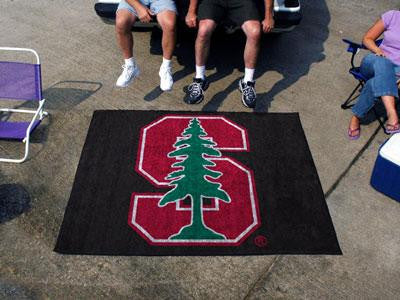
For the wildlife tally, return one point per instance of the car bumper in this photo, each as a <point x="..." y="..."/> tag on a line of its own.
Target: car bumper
<point x="285" y="19"/>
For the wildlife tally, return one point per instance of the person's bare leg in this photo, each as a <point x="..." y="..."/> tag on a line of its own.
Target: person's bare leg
<point x="123" y="24"/>
<point x="202" y="45"/>
<point x="393" y="119"/>
<point x="194" y="92"/>
<point x="390" y="106"/>
<point x="167" y="21"/>
<point x="252" y="29"/>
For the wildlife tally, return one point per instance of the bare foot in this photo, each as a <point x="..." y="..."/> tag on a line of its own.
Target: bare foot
<point x="393" y="119"/>
<point x="354" y="127"/>
<point x="354" y="123"/>
<point x="389" y="102"/>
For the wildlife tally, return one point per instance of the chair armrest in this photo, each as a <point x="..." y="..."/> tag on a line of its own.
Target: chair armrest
<point x="378" y="42"/>
<point x="353" y="47"/>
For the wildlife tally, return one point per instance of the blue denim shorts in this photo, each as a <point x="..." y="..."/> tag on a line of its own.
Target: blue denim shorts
<point x="156" y="6"/>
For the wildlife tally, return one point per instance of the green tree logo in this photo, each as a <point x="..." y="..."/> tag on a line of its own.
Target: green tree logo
<point x="194" y="152"/>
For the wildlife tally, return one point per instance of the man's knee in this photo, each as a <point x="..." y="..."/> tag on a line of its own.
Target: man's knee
<point x="252" y="29"/>
<point x="168" y="22"/>
<point x="123" y="23"/>
<point x="206" y="28"/>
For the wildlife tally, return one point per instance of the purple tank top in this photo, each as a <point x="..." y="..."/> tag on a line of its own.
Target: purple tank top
<point x="391" y="36"/>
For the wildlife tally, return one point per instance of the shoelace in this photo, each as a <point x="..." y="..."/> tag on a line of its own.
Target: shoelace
<point x="248" y="91"/>
<point x="167" y="73"/>
<point x="126" y="70"/>
<point x="195" y="89"/>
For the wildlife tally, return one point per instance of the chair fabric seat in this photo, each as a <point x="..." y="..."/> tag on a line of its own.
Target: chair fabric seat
<point x="16" y="130"/>
<point x="357" y="74"/>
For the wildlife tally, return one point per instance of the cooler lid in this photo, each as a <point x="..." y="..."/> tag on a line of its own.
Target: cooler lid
<point x="391" y="149"/>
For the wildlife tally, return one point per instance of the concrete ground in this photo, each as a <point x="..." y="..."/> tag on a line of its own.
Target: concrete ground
<point x="304" y="71"/>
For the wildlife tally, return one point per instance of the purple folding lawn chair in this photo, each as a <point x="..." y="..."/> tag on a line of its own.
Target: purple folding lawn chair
<point x="20" y="81"/>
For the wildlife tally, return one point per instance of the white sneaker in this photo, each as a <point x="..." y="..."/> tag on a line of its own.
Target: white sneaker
<point x="129" y="73"/>
<point x="166" y="80"/>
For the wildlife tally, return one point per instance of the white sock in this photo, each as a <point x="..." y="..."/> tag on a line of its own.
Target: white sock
<point x="248" y="74"/>
<point x="129" y="61"/>
<point x="166" y="63"/>
<point x="200" y="72"/>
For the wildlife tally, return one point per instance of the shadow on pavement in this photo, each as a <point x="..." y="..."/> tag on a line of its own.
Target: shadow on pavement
<point x="14" y="201"/>
<point x="290" y="54"/>
<point x="10" y="290"/>
<point x="61" y="96"/>
<point x="64" y="95"/>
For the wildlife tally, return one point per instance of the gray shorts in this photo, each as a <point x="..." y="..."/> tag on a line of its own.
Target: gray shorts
<point x="156" y="6"/>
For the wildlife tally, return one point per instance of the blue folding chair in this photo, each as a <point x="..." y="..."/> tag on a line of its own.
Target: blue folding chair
<point x="20" y="81"/>
<point x="354" y="49"/>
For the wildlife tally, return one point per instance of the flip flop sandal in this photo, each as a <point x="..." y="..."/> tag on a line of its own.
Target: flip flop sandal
<point x="351" y="135"/>
<point x="392" y="128"/>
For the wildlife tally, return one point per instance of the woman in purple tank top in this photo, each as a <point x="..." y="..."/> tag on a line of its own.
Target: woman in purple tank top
<point x="380" y="68"/>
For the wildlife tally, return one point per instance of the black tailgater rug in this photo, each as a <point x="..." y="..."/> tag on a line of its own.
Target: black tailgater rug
<point x="188" y="183"/>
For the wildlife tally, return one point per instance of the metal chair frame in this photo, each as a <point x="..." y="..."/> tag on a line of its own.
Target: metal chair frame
<point x="39" y="113"/>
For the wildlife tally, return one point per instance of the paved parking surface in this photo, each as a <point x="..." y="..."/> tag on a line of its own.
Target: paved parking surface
<point x="304" y="71"/>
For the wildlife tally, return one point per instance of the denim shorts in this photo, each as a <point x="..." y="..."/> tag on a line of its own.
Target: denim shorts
<point x="156" y="6"/>
<point x="380" y="73"/>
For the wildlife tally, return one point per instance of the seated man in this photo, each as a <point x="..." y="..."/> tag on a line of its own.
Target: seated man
<point x="244" y="13"/>
<point x="128" y="12"/>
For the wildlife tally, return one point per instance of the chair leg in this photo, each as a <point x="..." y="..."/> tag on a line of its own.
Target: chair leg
<point x="381" y="123"/>
<point x="346" y="104"/>
<point x="21" y="160"/>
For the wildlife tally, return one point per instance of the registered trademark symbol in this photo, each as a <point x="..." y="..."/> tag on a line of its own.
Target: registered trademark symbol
<point x="260" y="241"/>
